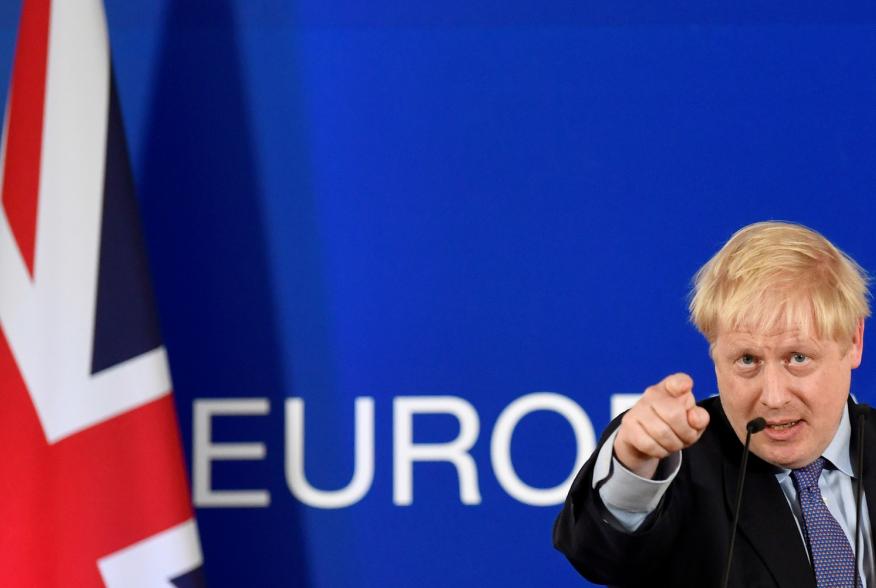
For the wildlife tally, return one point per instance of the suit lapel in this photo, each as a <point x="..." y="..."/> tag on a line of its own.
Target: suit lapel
<point x="869" y="458"/>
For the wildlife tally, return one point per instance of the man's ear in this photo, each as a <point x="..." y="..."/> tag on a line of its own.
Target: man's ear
<point x="857" y="348"/>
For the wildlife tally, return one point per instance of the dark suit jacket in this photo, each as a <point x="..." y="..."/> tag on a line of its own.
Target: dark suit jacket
<point x="685" y="541"/>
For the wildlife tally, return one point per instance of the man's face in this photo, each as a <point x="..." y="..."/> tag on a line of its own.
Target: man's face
<point x="798" y="383"/>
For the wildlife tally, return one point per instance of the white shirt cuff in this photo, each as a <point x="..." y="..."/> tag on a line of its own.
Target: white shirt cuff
<point x="629" y="497"/>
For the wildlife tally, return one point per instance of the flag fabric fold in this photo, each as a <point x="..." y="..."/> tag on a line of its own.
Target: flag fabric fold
<point x="94" y="491"/>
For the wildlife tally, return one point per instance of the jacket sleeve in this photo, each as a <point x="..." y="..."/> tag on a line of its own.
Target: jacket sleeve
<point x="599" y="547"/>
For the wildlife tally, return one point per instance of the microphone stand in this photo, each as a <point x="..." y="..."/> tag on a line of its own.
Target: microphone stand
<point x="859" y="487"/>
<point x="754" y="426"/>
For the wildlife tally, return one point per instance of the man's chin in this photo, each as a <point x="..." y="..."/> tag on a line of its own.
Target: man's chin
<point x="784" y="457"/>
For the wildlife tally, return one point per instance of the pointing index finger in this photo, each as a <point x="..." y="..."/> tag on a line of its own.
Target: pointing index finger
<point x="678" y="384"/>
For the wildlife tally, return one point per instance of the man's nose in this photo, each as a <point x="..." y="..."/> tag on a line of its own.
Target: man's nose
<point x="774" y="393"/>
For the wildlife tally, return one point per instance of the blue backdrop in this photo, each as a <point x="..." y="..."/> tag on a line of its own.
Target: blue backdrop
<point x="398" y="200"/>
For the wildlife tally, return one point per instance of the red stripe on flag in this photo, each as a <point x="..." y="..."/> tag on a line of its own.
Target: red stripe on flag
<point x="21" y="174"/>
<point x="64" y="506"/>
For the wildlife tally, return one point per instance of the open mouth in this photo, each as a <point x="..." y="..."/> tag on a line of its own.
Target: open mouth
<point x="782" y="426"/>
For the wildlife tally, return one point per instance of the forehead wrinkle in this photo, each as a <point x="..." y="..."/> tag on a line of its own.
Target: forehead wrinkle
<point x="788" y="341"/>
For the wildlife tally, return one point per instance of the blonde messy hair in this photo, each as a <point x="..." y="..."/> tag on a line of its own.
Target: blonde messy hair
<point x="780" y="276"/>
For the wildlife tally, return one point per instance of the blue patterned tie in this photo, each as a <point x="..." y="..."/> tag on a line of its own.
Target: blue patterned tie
<point x="832" y="556"/>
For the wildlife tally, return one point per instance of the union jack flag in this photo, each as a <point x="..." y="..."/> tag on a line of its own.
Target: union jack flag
<point x="93" y="490"/>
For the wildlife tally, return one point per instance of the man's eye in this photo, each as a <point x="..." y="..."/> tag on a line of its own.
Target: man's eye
<point x="799" y="358"/>
<point x="747" y="360"/>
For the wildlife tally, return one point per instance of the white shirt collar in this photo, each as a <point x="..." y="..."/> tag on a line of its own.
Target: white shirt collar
<point x="837" y="452"/>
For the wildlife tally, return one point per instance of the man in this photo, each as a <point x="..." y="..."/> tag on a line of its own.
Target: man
<point x="783" y="311"/>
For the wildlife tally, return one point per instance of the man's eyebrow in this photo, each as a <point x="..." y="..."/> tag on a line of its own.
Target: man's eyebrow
<point x="742" y="343"/>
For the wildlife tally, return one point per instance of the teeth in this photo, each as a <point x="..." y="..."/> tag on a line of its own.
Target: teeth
<point x="784" y="425"/>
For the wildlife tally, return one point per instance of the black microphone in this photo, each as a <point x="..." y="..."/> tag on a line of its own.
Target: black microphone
<point x="754" y="426"/>
<point x="859" y="483"/>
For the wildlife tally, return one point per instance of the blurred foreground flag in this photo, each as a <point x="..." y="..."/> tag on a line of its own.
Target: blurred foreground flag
<point x="93" y="489"/>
